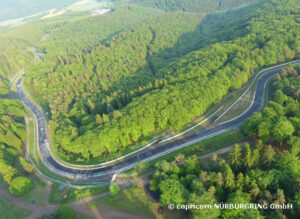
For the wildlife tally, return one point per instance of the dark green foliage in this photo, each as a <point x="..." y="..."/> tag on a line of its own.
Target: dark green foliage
<point x="12" y="139"/>
<point x="14" y="56"/>
<point x="66" y="212"/>
<point x="108" y="75"/>
<point x="205" y="6"/>
<point x="239" y="198"/>
<point x="267" y="173"/>
<point x="279" y="120"/>
<point x="289" y="164"/>
<point x="12" y="129"/>
<point x="173" y="192"/>
<point x="7" y="171"/>
<point x="294" y="143"/>
<point x="158" y="75"/>
<point x="15" y="53"/>
<point x="63" y="212"/>
<point x="205" y="199"/>
<point x="17" y="44"/>
<point x="73" y="38"/>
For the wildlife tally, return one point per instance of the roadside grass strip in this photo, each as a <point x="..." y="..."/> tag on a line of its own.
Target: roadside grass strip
<point x="42" y="168"/>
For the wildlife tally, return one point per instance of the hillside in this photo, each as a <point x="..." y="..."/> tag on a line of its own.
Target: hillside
<point x="15" y="8"/>
<point x="82" y="34"/>
<point x="15" y="45"/>
<point x="203" y="6"/>
<point x="147" y="79"/>
<point x="16" y="49"/>
<point x="265" y="170"/>
<point x="150" y="107"/>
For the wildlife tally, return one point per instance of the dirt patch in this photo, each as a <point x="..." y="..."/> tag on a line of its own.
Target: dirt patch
<point x="37" y="210"/>
<point x="103" y="211"/>
<point x="145" y="185"/>
<point x="152" y="195"/>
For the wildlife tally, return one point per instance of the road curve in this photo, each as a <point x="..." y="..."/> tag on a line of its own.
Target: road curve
<point x="105" y="173"/>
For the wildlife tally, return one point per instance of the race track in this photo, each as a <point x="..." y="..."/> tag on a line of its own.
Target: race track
<point x="105" y="173"/>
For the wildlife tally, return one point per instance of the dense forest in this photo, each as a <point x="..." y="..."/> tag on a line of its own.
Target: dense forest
<point x="73" y="37"/>
<point x="265" y="172"/>
<point x="203" y="6"/>
<point x="15" y="54"/>
<point x="111" y="81"/>
<point x="54" y="36"/>
<point x="15" y="47"/>
<point x="109" y="74"/>
<point x="12" y="141"/>
<point x="154" y="77"/>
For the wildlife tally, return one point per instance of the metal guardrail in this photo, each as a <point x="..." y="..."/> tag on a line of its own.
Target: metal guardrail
<point x="174" y="148"/>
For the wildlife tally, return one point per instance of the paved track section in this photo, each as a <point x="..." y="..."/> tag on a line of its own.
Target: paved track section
<point x="106" y="173"/>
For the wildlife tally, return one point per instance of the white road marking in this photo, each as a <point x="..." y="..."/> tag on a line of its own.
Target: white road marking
<point x="253" y="80"/>
<point x="160" y="154"/>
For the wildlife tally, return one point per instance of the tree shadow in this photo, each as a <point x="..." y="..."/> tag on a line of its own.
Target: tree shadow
<point x="212" y="29"/>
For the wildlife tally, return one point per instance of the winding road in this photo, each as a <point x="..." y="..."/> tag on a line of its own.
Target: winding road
<point x="105" y="173"/>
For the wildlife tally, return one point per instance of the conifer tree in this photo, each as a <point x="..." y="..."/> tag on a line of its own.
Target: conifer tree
<point x="247" y="156"/>
<point x="235" y="156"/>
<point x="268" y="155"/>
<point x="229" y="178"/>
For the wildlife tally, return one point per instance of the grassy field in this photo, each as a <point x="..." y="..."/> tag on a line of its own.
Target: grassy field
<point x="132" y="199"/>
<point x="56" y="196"/>
<point x="89" y="5"/>
<point x="81" y="216"/>
<point x="37" y="194"/>
<point x="269" y="91"/>
<point x="84" y="5"/>
<point x="9" y="210"/>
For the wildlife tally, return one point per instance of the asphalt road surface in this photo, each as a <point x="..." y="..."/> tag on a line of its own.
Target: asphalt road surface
<point x="105" y="173"/>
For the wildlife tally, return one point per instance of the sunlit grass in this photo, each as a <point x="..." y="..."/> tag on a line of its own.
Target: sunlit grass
<point x="9" y="210"/>
<point x="57" y="197"/>
<point x="131" y="199"/>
